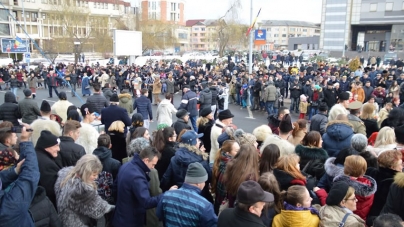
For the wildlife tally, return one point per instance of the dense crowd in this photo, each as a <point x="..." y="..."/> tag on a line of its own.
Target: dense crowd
<point x="339" y="164"/>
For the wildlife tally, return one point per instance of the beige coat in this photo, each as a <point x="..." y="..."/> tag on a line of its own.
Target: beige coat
<point x="157" y="86"/>
<point x="383" y="114"/>
<point x="295" y="140"/>
<point x="44" y="124"/>
<point x="336" y="110"/>
<point x="333" y="215"/>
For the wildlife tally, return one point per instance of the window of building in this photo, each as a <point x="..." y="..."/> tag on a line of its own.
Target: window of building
<point x="283" y="35"/>
<point x="95" y="5"/>
<point x="34" y="16"/>
<point x="402" y="6"/>
<point x="268" y="29"/>
<point x="43" y="15"/>
<point x="292" y="29"/>
<point x="4" y="29"/>
<point x="283" y="41"/>
<point x="304" y="30"/>
<point x="196" y="29"/>
<point x="373" y="7"/>
<point x="389" y="6"/>
<point x="3" y="15"/>
<point x="44" y="1"/>
<point x="276" y="35"/>
<point x="203" y="29"/>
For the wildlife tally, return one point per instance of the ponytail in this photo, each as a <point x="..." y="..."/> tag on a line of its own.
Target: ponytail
<point x="296" y="129"/>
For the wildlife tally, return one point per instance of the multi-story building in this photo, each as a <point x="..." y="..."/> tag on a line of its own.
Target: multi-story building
<point x="48" y="20"/>
<point x="279" y="31"/>
<point x="375" y="25"/>
<point x="163" y="10"/>
<point x="203" y="34"/>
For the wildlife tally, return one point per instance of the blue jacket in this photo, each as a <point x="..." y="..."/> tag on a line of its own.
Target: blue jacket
<point x="143" y="105"/>
<point x="185" y="207"/>
<point x="133" y="196"/>
<point x="115" y="113"/>
<point x="19" y="190"/>
<point x="188" y="102"/>
<point x="337" y="137"/>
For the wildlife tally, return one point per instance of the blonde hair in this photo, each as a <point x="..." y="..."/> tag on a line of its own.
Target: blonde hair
<point x="202" y="121"/>
<point x="85" y="166"/>
<point x="385" y="136"/>
<point x="368" y="111"/>
<point x="349" y="193"/>
<point x="117" y="126"/>
<point x="355" y="166"/>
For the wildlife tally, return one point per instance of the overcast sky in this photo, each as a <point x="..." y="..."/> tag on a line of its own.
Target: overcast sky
<point x="307" y="10"/>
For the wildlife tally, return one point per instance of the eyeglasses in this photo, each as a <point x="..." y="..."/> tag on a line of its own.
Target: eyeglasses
<point x="354" y="199"/>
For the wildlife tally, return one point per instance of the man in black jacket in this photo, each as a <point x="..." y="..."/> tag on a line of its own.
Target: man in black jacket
<point x="97" y="101"/>
<point x="182" y="121"/>
<point x="70" y="152"/>
<point x="295" y="92"/>
<point x="9" y="109"/>
<point x="330" y="96"/>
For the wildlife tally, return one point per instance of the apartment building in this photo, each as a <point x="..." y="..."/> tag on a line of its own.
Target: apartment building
<point x="203" y="35"/>
<point x="171" y="11"/>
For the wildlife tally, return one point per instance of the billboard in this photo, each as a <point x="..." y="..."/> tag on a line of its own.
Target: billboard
<point x="260" y="37"/>
<point x="127" y="43"/>
<point x="16" y="45"/>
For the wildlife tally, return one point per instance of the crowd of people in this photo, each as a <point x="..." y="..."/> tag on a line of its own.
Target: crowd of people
<point x="339" y="164"/>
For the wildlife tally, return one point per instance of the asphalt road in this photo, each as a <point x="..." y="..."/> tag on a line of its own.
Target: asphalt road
<point x="241" y="119"/>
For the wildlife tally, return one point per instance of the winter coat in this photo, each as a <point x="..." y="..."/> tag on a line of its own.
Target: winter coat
<point x="215" y="132"/>
<point x="371" y="126"/>
<point x="357" y="124"/>
<point x="331" y="170"/>
<point x="336" y="110"/>
<point x="125" y="101"/>
<point x="333" y="215"/>
<point x="77" y="202"/>
<point x="42" y="210"/>
<point x="361" y="94"/>
<point x="395" y="198"/>
<point x="295" y="90"/>
<point x="273" y="123"/>
<point x="188" y="103"/>
<point x="60" y="108"/>
<point x="292" y="218"/>
<point x="109" y="164"/>
<point x="206" y="129"/>
<point x="52" y="80"/>
<point x="85" y="86"/>
<point x="337" y="137"/>
<point x="312" y="154"/>
<point x="365" y="188"/>
<point x="44" y="124"/>
<point x="170" y="86"/>
<point x="118" y="148"/>
<point x="384" y="178"/>
<point x="133" y="198"/>
<point x="166" y="154"/>
<point x="97" y="102"/>
<point x="215" y="94"/>
<point x="165" y="110"/>
<point x="295" y="140"/>
<point x="205" y="99"/>
<point x="179" y="125"/>
<point x="235" y="217"/>
<point x="112" y="81"/>
<point x="270" y="93"/>
<point x="48" y="168"/>
<point x="330" y="97"/>
<point x="157" y="87"/>
<point x="319" y="123"/>
<point x="115" y="113"/>
<point x="108" y="93"/>
<point x="285" y="180"/>
<point x="143" y="106"/>
<point x="88" y="137"/>
<point x="29" y="110"/>
<point x="9" y="109"/>
<point x="70" y="152"/>
<point x="32" y="82"/>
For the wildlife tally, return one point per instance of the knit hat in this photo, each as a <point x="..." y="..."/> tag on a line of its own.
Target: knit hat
<point x="196" y="174"/>
<point x="45" y="107"/>
<point x="337" y="193"/>
<point x="181" y="113"/>
<point x="261" y="132"/>
<point x="27" y="92"/>
<point x="250" y="192"/>
<point x="330" y="83"/>
<point x="225" y="114"/>
<point x="114" y="98"/>
<point x="190" y="137"/>
<point x="205" y="111"/>
<point x="161" y="126"/>
<point x="286" y="124"/>
<point x="137" y="120"/>
<point x="47" y="139"/>
<point x="344" y="96"/>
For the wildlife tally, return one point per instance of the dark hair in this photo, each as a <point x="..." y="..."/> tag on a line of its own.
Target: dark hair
<point x="149" y="153"/>
<point x="143" y="91"/>
<point x="282" y="109"/>
<point x="104" y="140"/>
<point x="388" y="220"/>
<point x="294" y="194"/>
<point x="161" y="137"/>
<point x="340" y="159"/>
<point x="4" y="135"/>
<point x="299" y="125"/>
<point x="139" y="132"/>
<point x="106" y="85"/>
<point x="73" y="115"/>
<point x="72" y="107"/>
<point x="311" y="139"/>
<point x="269" y="183"/>
<point x="168" y="96"/>
<point x="355" y="111"/>
<point x="269" y="158"/>
<point x="96" y="87"/>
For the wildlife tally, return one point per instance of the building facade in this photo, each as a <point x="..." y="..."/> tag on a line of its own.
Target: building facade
<point x="369" y="25"/>
<point x="164" y="10"/>
<point x="203" y="35"/>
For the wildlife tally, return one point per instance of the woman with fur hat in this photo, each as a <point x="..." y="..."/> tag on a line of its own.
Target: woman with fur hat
<point x="78" y="202"/>
<point x="261" y="133"/>
<point x="60" y="107"/>
<point x="204" y="124"/>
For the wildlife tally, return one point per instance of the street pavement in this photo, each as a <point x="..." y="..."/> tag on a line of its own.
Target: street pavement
<point x="241" y="119"/>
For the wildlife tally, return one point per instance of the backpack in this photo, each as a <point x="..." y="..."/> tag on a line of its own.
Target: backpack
<point x="104" y="186"/>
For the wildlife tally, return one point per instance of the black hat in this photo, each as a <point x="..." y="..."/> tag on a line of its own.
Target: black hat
<point x="250" y="192"/>
<point x="337" y="193"/>
<point x="330" y="83"/>
<point x="225" y="114"/>
<point x="62" y="95"/>
<point x="45" y="107"/>
<point x="27" y="92"/>
<point x="186" y="86"/>
<point x="323" y="107"/>
<point x="47" y="139"/>
<point x="114" y="98"/>
<point x="344" y="96"/>
<point x="181" y="113"/>
<point x="286" y="124"/>
<point x="205" y="111"/>
<point x="399" y="131"/>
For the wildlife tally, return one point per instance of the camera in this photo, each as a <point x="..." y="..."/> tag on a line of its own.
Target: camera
<point x="16" y="129"/>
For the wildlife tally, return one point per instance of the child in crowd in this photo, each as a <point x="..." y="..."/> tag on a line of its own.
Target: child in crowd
<point x="303" y="106"/>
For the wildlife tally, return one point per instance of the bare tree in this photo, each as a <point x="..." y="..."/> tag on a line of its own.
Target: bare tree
<point x="157" y="34"/>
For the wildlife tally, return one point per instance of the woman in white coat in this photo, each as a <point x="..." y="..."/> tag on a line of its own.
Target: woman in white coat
<point x="165" y="110"/>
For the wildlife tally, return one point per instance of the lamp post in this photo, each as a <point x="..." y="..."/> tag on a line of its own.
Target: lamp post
<point x="251" y="40"/>
<point x="25" y="28"/>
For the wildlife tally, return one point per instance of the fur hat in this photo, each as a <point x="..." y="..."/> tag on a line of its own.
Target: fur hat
<point x="285" y="125"/>
<point x="344" y="96"/>
<point x="225" y="114"/>
<point x="285" y="147"/>
<point x="261" y="132"/>
<point x="45" y="107"/>
<point x="244" y="138"/>
<point x="303" y="98"/>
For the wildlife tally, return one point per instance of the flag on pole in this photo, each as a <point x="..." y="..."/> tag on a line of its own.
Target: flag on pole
<point x="253" y="24"/>
<point x="18" y="40"/>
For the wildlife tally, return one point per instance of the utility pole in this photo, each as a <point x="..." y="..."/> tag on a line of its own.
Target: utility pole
<point x="25" y="27"/>
<point x="250" y="40"/>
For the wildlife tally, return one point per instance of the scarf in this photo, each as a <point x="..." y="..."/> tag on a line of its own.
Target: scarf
<point x="287" y="206"/>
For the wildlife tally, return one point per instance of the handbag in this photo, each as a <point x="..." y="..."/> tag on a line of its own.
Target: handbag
<point x="342" y="223"/>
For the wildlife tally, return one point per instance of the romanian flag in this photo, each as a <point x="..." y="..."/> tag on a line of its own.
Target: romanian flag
<point x="253" y="24"/>
<point x="18" y="40"/>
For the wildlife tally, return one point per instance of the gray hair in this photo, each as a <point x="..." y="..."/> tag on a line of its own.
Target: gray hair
<point x="359" y="142"/>
<point x="137" y="145"/>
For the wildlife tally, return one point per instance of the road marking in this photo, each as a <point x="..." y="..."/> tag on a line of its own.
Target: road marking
<point x="48" y="100"/>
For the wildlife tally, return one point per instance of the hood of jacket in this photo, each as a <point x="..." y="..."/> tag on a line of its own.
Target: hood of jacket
<point x="9" y="97"/>
<point x="331" y="169"/>
<point x="205" y="90"/>
<point x="339" y="130"/>
<point x="362" y="188"/>
<point x="165" y="102"/>
<point x="125" y="98"/>
<point x="186" y="154"/>
<point x="40" y="195"/>
<point x="102" y="153"/>
<point x="303" y="218"/>
<point x="311" y="153"/>
<point x="399" y="180"/>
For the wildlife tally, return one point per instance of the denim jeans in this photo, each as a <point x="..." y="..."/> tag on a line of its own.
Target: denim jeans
<point x="294" y="103"/>
<point x="193" y="123"/>
<point x="14" y="90"/>
<point x="270" y="107"/>
<point x="313" y="111"/>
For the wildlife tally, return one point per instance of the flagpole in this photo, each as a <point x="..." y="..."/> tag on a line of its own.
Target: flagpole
<point x="251" y="39"/>
<point x="25" y="27"/>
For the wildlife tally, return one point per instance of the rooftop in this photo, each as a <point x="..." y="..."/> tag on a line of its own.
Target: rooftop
<point x="289" y="23"/>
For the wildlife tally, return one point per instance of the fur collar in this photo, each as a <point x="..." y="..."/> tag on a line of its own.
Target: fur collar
<point x="126" y="95"/>
<point x="361" y="188"/>
<point x="195" y="150"/>
<point x="311" y="153"/>
<point x="399" y="180"/>
<point x="331" y="169"/>
<point x="334" y="122"/>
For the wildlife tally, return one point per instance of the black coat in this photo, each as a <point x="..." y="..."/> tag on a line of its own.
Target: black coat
<point x="9" y="109"/>
<point x="330" y="97"/>
<point x="115" y="113"/>
<point x="215" y="94"/>
<point x="179" y="125"/>
<point x="206" y="129"/>
<point x="235" y="217"/>
<point x="48" y="168"/>
<point x="371" y="126"/>
<point x="70" y="152"/>
<point x="42" y="210"/>
<point x="166" y="154"/>
<point x="118" y="141"/>
<point x="109" y="164"/>
<point x="317" y="156"/>
<point x="395" y="199"/>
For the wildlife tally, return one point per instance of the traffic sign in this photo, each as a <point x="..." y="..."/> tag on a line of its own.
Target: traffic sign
<point x="260" y="37"/>
<point x="27" y="57"/>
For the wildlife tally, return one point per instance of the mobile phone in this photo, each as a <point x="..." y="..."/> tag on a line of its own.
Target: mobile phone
<point x="18" y="129"/>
